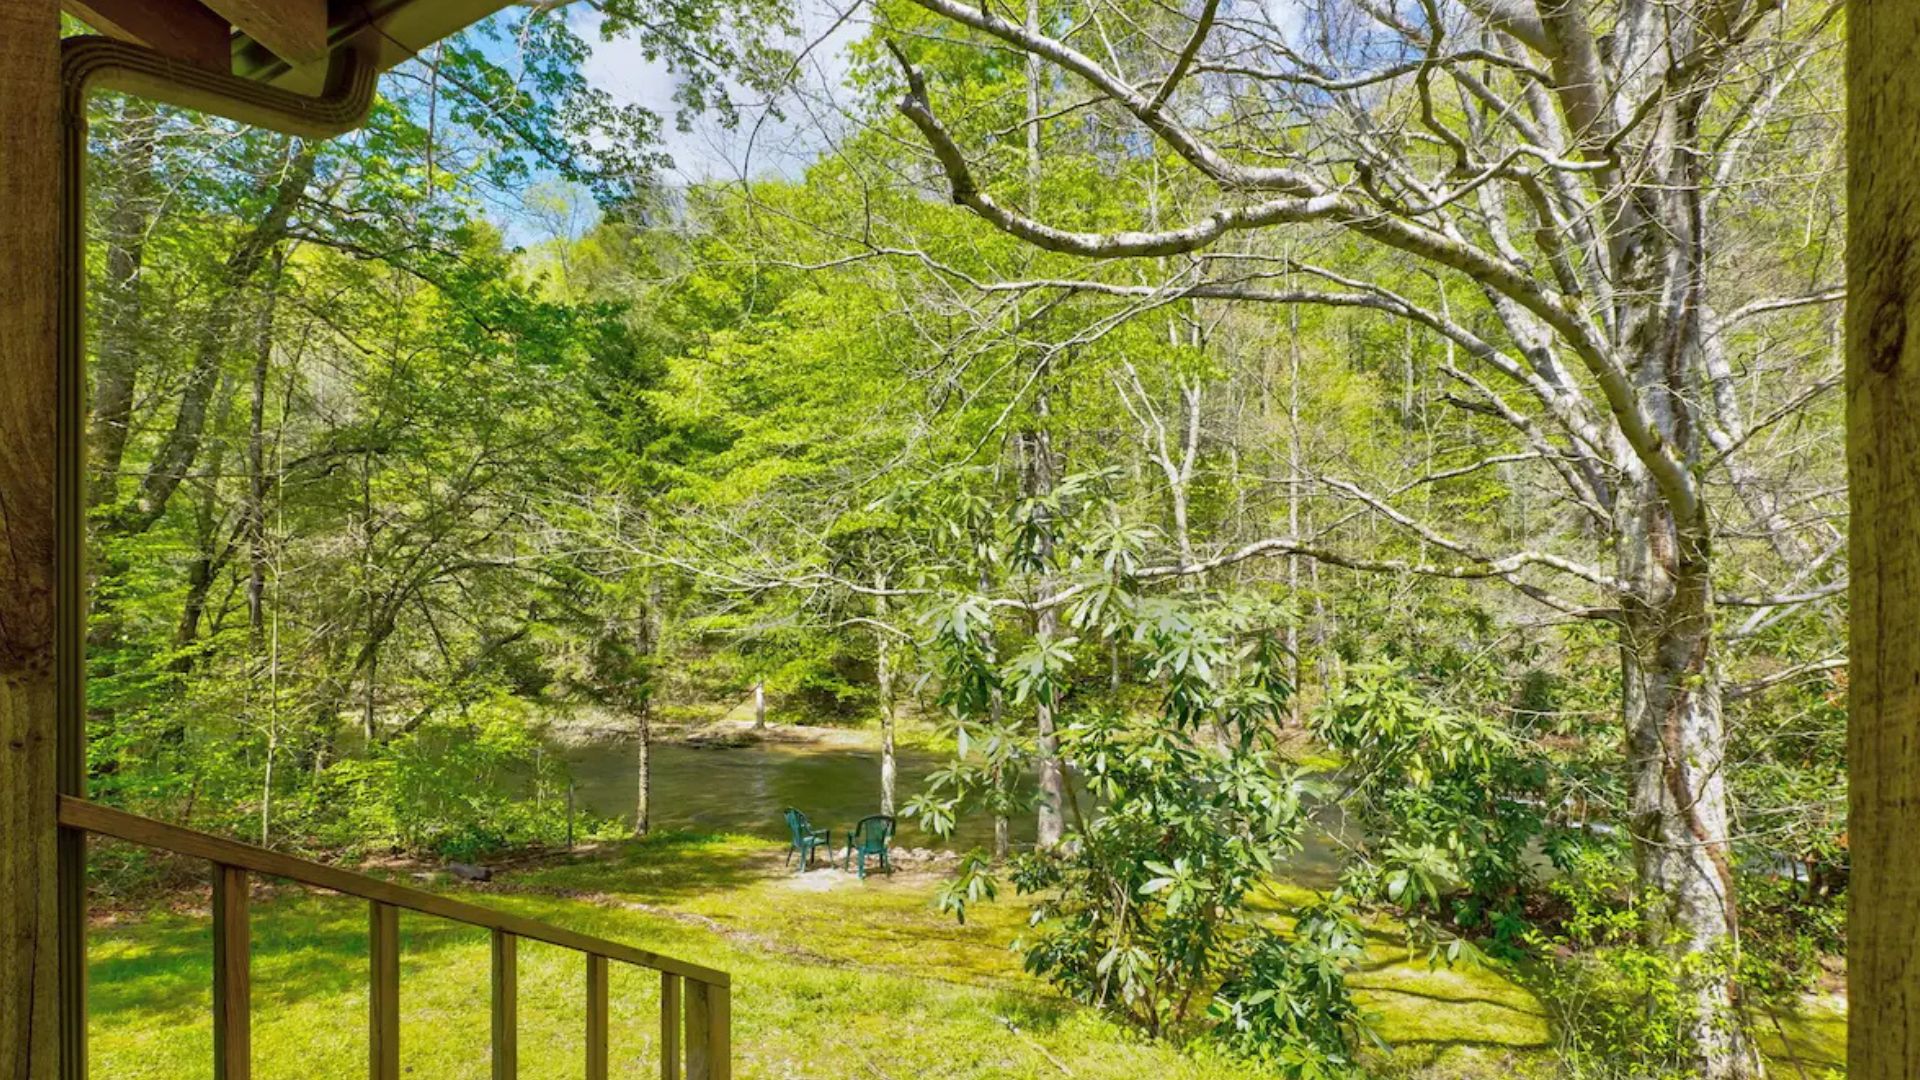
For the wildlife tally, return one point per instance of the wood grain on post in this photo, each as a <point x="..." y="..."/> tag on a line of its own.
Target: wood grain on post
<point x="699" y="1054"/>
<point x="669" y="1026"/>
<point x="506" y="1006"/>
<point x="1883" y="474"/>
<point x="709" y="1034"/>
<point x="30" y="995"/>
<point x="596" y="1017"/>
<point x="232" y="975"/>
<point x="383" y="996"/>
<point x="719" y="1033"/>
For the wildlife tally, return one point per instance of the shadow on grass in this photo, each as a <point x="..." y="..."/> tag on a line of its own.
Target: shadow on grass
<point x="1031" y="1012"/>
<point x="1453" y="999"/>
<point x="664" y="867"/>
<point x="1442" y="1058"/>
<point x="1794" y="1042"/>
<point x="304" y="946"/>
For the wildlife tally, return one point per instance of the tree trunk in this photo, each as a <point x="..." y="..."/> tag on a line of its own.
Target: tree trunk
<point x="175" y="456"/>
<point x="1002" y="829"/>
<point x="209" y="558"/>
<point x="370" y="653"/>
<point x="1883" y="445"/>
<point x="273" y="731"/>
<point x="653" y="633"/>
<point x="1049" y="821"/>
<point x="643" y="762"/>
<point x="255" y="511"/>
<point x="201" y="573"/>
<point x="129" y="187"/>
<point x="888" y="767"/>
<point x="1002" y="798"/>
<point x="369" y="719"/>
<point x="760" y="705"/>
<point x="883" y="677"/>
<point x="1039" y="481"/>
<point x="1049" y="824"/>
<point x="1676" y="746"/>
<point x="126" y="176"/>
<point x="1676" y="735"/>
<point x="1295" y="701"/>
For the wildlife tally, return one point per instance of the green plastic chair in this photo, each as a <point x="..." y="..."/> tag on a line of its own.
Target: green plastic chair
<point x="806" y="839"/>
<point x="870" y="838"/>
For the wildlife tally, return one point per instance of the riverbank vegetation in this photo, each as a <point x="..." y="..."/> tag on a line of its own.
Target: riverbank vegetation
<point x="1406" y="430"/>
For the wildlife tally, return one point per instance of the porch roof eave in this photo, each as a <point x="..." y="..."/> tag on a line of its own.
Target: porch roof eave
<point x="395" y="30"/>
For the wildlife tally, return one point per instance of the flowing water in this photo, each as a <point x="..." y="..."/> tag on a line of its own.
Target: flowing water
<point x="743" y="789"/>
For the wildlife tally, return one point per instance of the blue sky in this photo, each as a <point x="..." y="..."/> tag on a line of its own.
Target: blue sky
<point x="709" y="151"/>
<point x="760" y="145"/>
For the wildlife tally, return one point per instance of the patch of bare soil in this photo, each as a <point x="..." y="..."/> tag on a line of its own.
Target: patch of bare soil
<point x="908" y="872"/>
<point x="723" y="734"/>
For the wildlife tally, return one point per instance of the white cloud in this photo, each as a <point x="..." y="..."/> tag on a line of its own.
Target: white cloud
<point x="1290" y="16"/>
<point x="761" y="144"/>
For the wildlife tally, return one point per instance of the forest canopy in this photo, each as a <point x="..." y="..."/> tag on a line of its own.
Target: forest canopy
<point x="1188" y="417"/>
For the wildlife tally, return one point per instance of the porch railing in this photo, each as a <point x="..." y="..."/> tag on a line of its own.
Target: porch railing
<point x="695" y="1021"/>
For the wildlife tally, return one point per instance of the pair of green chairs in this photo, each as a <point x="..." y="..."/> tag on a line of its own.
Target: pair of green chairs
<point x="870" y="839"/>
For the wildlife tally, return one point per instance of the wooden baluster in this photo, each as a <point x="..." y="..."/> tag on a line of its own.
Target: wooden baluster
<point x="596" y="1017"/>
<point x="699" y="1064"/>
<point x="669" y="1026"/>
<point x="383" y="1024"/>
<point x="709" y="1035"/>
<point x="506" y="1006"/>
<point x="232" y="978"/>
<point x="695" y="1015"/>
<point x="719" y="1033"/>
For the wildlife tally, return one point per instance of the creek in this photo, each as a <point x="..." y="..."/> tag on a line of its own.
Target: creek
<point x="743" y="789"/>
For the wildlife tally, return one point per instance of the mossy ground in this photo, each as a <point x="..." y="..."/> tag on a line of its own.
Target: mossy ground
<point x="834" y="978"/>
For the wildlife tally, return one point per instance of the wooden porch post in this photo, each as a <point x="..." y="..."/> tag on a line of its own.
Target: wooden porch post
<point x="30" y="975"/>
<point x="1883" y="465"/>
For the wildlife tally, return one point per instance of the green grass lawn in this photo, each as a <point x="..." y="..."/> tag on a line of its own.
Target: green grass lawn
<point x="833" y="978"/>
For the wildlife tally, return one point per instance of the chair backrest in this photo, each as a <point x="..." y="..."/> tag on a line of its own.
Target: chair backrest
<point x="872" y="833"/>
<point x="797" y="823"/>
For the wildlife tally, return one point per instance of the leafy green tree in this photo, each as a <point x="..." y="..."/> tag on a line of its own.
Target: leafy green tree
<point x="1592" y="289"/>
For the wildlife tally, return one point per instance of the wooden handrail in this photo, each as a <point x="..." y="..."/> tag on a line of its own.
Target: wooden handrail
<point x="106" y="821"/>
<point x="695" y="1020"/>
